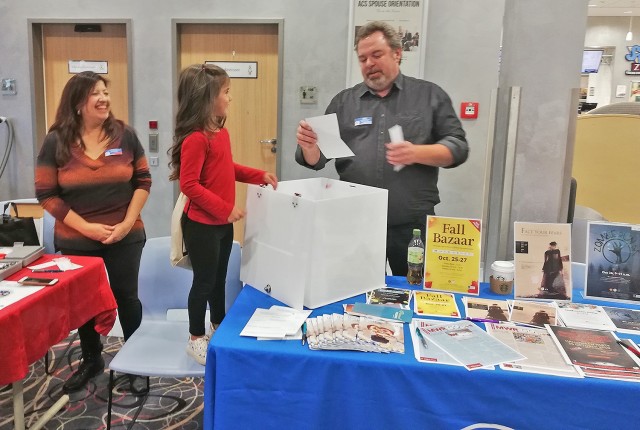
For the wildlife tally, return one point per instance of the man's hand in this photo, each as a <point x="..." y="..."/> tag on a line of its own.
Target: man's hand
<point x="401" y="153"/>
<point x="308" y="141"/>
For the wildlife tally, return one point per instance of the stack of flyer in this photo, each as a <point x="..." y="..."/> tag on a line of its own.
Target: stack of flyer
<point x="350" y="332"/>
<point x="468" y="344"/>
<point x="598" y="353"/>
<point x="537" y="345"/>
<point x="582" y="315"/>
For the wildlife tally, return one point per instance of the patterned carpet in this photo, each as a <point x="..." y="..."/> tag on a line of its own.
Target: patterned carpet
<point x="171" y="403"/>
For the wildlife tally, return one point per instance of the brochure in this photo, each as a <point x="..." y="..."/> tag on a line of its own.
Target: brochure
<point x="542" y="259"/>
<point x="533" y="313"/>
<point x="625" y="320"/>
<point x="379" y="311"/>
<point x="470" y="345"/>
<point x="348" y="332"/>
<point x="437" y="304"/>
<point x="389" y="296"/>
<point x="452" y="254"/>
<point x="477" y="308"/>
<point x="582" y="315"/>
<point x="537" y="345"/>
<point x="613" y="261"/>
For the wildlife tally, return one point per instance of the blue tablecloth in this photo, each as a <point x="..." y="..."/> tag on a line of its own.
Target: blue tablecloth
<point x="284" y="385"/>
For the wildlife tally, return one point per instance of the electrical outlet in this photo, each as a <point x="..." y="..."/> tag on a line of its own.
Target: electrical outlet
<point x="8" y="87"/>
<point x="153" y="142"/>
<point x="308" y="94"/>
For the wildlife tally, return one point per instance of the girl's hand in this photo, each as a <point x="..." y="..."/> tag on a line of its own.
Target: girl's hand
<point x="270" y="179"/>
<point x="236" y="215"/>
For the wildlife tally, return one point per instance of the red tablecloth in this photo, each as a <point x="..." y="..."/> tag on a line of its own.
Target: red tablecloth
<point x="29" y="327"/>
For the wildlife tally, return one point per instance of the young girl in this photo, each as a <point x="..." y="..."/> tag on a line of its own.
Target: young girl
<point x="201" y="159"/>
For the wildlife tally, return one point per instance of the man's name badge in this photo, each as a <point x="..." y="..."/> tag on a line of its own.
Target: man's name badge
<point x="365" y="120"/>
<point x="115" y="151"/>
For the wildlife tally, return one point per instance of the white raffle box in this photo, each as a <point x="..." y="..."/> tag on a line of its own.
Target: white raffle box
<point x="314" y="241"/>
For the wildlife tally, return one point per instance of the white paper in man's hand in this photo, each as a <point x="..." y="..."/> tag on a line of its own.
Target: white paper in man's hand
<point x="396" y="135"/>
<point x="329" y="141"/>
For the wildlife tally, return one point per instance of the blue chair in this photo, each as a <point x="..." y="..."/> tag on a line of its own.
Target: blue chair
<point x="158" y="346"/>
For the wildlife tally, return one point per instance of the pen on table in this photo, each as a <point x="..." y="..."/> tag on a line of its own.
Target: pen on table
<point x="629" y="347"/>
<point x="484" y="320"/>
<point x="46" y="270"/>
<point x="423" y="341"/>
<point x="304" y="332"/>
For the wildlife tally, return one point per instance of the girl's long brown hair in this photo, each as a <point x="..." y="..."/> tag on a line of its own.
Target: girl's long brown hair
<point x="198" y="87"/>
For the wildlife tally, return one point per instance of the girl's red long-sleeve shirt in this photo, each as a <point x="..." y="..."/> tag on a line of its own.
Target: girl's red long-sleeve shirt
<point x="208" y="176"/>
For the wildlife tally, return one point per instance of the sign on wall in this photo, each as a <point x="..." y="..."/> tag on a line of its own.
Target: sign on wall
<point x="634" y="57"/>
<point x="238" y="69"/>
<point x="407" y="16"/>
<point x="78" y="66"/>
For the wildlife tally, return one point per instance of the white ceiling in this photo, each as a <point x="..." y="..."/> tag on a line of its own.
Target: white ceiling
<point x="614" y="7"/>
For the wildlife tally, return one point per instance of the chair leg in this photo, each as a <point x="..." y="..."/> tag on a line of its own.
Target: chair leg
<point x="135" y="417"/>
<point x="109" y="403"/>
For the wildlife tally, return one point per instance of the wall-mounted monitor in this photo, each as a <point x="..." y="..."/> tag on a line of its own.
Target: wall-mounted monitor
<point x="591" y="60"/>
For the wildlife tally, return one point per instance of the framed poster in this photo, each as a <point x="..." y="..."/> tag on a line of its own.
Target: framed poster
<point x="452" y="254"/>
<point x="613" y="261"/>
<point x="634" y="94"/>
<point x="409" y="17"/>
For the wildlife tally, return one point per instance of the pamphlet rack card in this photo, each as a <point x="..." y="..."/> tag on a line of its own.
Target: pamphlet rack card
<point x="314" y="241"/>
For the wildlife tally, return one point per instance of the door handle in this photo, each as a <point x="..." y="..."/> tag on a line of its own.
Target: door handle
<point x="273" y="142"/>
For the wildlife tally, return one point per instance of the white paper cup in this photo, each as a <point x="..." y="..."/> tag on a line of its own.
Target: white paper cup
<point x="501" y="279"/>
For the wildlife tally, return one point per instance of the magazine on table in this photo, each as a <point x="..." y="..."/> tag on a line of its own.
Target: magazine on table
<point x="452" y="254"/>
<point x="596" y="353"/>
<point x="470" y="345"/>
<point x="542" y="259"/>
<point x="625" y="320"/>
<point x="613" y="261"/>
<point x="537" y="345"/>
<point x="533" y="313"/>
<point x="435" y="303"/>
<point x="389" y="296"/>
<point x="583" y="315"/>
<point x="477" y="308"/>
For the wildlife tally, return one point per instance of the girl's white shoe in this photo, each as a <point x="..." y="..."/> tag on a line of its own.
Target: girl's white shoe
<point x="197" y="348"/>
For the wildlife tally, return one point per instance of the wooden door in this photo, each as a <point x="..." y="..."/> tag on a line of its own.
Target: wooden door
<point x="253" y="113"/>
<point x="60" y="44"/>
